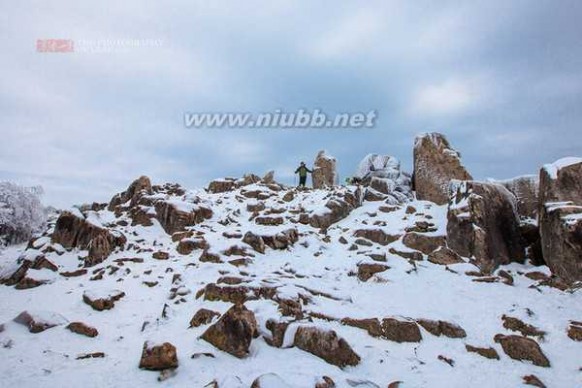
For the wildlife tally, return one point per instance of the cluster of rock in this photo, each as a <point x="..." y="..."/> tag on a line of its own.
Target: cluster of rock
<point x="384" y="180"/>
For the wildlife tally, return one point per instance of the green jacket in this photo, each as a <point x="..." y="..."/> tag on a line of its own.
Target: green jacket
<point x="302" y="170"/>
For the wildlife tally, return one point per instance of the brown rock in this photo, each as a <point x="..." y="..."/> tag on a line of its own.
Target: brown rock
<point x="158" y="357"/>
<point x="325" y="382"/>
<point x="376" y="235"/>
<point x="366" y="271"/>
<point x="233" y="332"/>
<point x="326" y="345"/>
<point x="209" y="257"/>
<point x="324" y="171"/>
<point x="415" y="256"/>
<point x="533" y="380"/>
<point x="138" y="188"/>
<point x="289" y="196"/>
<point x="522" y="348"/>
<point x="281" y="240"/>
<point x="435" y="165"/>
<point x="38" y="324"/>
<point x="339" y="208"/>
<point x="159" y="255"/>
<point x="203" y="317"/>
<point x="187" y="246"/>
<point x="483" y="352"/>
<point x="400" y="331"/>
<point x="26" y="283"/>
<point x="255" y="241"/>
<point x="526" y="191"/>
<point x="423" y="243"/>
<point x="371" y="325"/>
<point x="82" y="329"/>
<point x="277" y="330"/>
<point x="175" y="220"/>
<point x="269" y="221"/>
<point x="103" y="303"/>
<point x="483" y="223"/>
<point x="221" y="185"/>
<point x="439" y="328"/>
<point x="445" y="256"/>
<point x="525" y="329"/>
<point x="575" y="331"/>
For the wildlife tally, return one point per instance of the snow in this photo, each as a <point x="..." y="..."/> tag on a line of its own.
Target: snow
<point x="319" y="267"/>
<point x="553" y="168"/>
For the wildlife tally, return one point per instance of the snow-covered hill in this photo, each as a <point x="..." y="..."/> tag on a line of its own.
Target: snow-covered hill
<point x="331" y="260"/>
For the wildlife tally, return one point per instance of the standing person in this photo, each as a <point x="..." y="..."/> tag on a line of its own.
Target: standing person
<point x="302" y="170"/>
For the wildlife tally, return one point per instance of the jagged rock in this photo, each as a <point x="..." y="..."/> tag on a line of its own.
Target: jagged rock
<point x="269" y="177"/>
<point x="338" y="210"/>
<point x="534" y="381"/>
<point x="158" y="357"/>
<point x="39" y="322"/>
<point x="366" y="271"/>
<point x="522" y="348"/>
<point x="187" y="246"/>
<point x="575" y="330"/>
<point x="221" y="185"/>
<point x="423" y="243"/>
<point x="400" y="331"/>
<point x="326" y="345"/>
<point x="324" y="171"/>
<point x="19" y="274"/>
<point x="439" y="328"/>
<point x="414" y="255"/>
<point x="175" y="219"/>
<point x="161" y="255"/>
<point x="525" y="329"/>
<point x="483" y="223"/>
<point x="134" y="192"/>
<point x="203" y="317"/>
<point x="83" y="329"/>
<point x="277" y="330"/>
<point x="436" y="163"/>
<point x="371" y="325"/>
<point x="526" y="191"/>
<point x="73" y="231"/>
<point x="27" y="283"/>
<point x="560" y="217"/>
<point x="445" y="256"/>
<point x="234" y="331"/>
<point x="489" y="353"/>
<point x="376" y="235"/>
<point x="248" y="179"/>
<point x="382" y="176"/>
<point x="256" y="242"/>
<point x="101" y="303"/>
<point x="325" y="382"/>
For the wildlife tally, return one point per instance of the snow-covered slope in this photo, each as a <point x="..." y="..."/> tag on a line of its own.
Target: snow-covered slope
<point x="319" y="271"/>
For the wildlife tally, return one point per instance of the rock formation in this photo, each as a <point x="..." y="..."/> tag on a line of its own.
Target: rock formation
<point x="483" y="223"/>
<point x="324" y="171"/>
<point x="560" y="217"/>
<point x="436" y="163"/>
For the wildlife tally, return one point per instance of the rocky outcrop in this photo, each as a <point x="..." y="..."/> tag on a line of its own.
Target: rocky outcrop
<point x="483" y="223"/>
<point x="400" y="330"/>
<point x="560" y="217"/>
<point x="445" y="256"/>
<point x="234" y="331"/>
<point x="324" y="171"/>
<point x="422" y="242"/>
<point x="222" y="185"/>
<point x="444" y="328"/>
<point x="376" y="235"/>
<point x="175" y="218"/>
<point x="203" y="317"/>
<point x="326" y="345"/>
<point x="384" y="178"/>
<point x="158" y="357"/>
<point x="73" y="230"/>
<point x="522" y="348"/>
<point x="367" y="270"/>
<point x="337" y="208"/>
<point x="141" y="186"/>
<point x="436" y="163"/>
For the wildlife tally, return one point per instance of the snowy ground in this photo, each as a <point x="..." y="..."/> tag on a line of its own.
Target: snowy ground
<point x="431" y="291"/>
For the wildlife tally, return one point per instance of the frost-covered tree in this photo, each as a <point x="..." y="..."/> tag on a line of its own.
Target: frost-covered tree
<point x="21" y="212"/>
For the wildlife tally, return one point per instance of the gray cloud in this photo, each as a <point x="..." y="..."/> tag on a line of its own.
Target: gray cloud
<point x="502" y="79"/>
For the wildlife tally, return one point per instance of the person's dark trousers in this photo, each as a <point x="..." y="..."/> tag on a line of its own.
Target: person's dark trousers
<point x="302" y="180"/>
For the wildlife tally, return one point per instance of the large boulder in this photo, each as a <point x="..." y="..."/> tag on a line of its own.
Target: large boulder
<point x="326" y="345"/>
<point x="175" y="216"/>
<point x="526" y="190"/>
<point x="74" y="230"/>
<point x="234" y="331"/>
<point x="436" y="163"/>
<point x="483" y="223"/>
<point x="158" y="357"/>
<point x="384" y="177"/>
<point x="560" y="217"/>
<point x="338" y="207"/>
<point x="324" y="171"/>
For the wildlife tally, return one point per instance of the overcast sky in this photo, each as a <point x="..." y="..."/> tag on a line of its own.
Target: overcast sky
<point x="501" y="78"/>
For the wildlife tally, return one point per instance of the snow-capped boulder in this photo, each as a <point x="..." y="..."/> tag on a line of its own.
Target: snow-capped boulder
<point x="483" y="223"/>
<point x="158" y="357"/>
<point x="436" y="163"/>
<point x="382" y="174"/>
<point x="326" y="345"/>
<point x="324" y="171"/>
<point x="175" y="216"/>
<point x="39" y="321"/>
<point x="221" y="185"/>
<point x="75" y="230"/>
<point x="560" y="217"/>
<point x="234" y="331"/>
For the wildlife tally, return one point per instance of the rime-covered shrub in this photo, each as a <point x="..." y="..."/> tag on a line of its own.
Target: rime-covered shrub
<point x="21" y="213"/>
